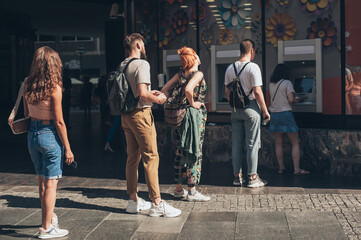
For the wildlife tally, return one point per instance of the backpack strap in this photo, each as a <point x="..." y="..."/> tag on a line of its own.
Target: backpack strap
<point x="277" y="90"/>
<point x="126" y="66"/>
<point x="240" y="83"/>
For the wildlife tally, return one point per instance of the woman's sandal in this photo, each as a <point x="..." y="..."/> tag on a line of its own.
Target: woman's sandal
<point x="281" y="171"/>
<point x="301" y="172"/>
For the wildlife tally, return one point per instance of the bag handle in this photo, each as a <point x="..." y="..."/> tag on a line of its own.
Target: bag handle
<point x="240" y="83"/>
<point x="17" y="103"/>
<point x="277" y="90"/>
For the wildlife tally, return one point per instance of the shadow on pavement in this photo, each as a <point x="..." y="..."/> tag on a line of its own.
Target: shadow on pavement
<point x="30" y="202"/>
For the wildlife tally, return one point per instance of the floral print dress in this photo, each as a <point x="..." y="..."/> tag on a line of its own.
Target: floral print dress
<point x="190" y="175"/>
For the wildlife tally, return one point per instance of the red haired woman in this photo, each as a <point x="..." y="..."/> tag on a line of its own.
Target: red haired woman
<point x="47" y="136"/>
<point x="191" y="83"/>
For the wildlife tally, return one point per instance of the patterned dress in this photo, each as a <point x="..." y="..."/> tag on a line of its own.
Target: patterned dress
<point x="190" y="175"/>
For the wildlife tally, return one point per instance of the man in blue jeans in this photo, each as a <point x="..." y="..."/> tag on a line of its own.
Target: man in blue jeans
<point x="246" y="122"/>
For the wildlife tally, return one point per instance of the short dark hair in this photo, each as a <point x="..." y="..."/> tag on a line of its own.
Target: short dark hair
<point x="246" y="46"/>
<point x="282" y="71"/>
<point x="129" y="40"/>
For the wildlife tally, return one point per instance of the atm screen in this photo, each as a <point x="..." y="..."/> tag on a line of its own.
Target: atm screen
<point x="303" y="85"/>
<point x="221" y="71"/>
<point x="173" y="71"/>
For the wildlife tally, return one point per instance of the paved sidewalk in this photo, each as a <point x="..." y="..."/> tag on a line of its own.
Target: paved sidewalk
<point x="94" y="208"/>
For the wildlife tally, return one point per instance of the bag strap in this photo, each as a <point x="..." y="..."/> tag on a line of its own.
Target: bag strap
<point x="240" y="83"/>
<point x="277" y="90"/>
<point x="17" y="103"/>
<point x="125" y="68"/>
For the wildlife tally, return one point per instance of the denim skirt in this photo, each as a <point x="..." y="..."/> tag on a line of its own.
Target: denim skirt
<point x="282" y="122"/>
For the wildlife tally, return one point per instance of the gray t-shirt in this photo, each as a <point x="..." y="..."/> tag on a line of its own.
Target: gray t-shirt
<point x="138" y="72"/>
<point x="250" y="77"/>
<point x="280" y="103"/>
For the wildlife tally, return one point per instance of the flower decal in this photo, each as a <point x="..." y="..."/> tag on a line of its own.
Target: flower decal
<point x="225" y="36"/>
<point x="207" y="37"/>
<point x="233" y="13"/>
<point x="324" y="29"/>
<point x="280" y="27"/>
<point x="180" y="22"/>
<point x="146" y="33"/>
<point x="315" y="6"/>
<point x="282" y="2"/>
<point x="203" y="12"/>
<point x="164" y="32"/>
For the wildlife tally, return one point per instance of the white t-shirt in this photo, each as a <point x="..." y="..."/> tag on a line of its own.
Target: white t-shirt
<point x="280" y="103"/>
<point x="250" y="77"/>
<point x="138" y="72"/>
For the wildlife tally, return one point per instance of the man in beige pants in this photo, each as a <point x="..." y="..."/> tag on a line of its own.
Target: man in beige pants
<point x="140" y="133"/>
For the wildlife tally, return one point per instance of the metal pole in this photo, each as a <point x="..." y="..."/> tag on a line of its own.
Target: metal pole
<point x="263" y="12"/>
<point x="157" y="30"/>
<point x="343" y="63"/>
<point x="197" y="25"/>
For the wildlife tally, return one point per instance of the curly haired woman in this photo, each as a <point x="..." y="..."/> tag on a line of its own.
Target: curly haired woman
<point x="47" y="137"/>
<point x="191" y="83"/>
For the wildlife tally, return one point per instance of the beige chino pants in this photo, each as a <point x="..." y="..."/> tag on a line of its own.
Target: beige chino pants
<point x="141" y="138"/>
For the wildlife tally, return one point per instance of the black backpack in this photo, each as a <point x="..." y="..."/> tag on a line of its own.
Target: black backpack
<point x="120" y="95"/>
<point x="237" y="96"/>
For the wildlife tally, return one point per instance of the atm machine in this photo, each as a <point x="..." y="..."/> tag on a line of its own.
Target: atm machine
<point x="304" y="58"/>
<point x="171" y="64"/>
<point x="221" y="57"/>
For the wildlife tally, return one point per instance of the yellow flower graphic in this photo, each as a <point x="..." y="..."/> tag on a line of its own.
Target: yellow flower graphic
<point x="282" y="2"/>
<point x="315" y="6"/>
<point x="225" y="37"/>
<point x="164" y="32"/>
<point x="280" y="27"/>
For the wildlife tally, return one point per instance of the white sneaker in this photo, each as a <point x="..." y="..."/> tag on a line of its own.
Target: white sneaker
<point x="107" y="148"/>
<point x="164" y="209"/>
<point x="136" y="207"/>
<point x="198" y="197"/>
<point x="52" y="232"/>
<point x="54" y="221"/>
<point x="181" y="194"/>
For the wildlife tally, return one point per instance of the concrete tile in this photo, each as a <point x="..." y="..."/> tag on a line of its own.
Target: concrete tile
<point x="126" y="217"/>
<point x="267" y="231"/>
<point x="81" y="220"/>
<point x="163" y="225"/>
<point x="285" y="190"/>
<point x="314" y="225"/>
<point x="266" y="218"/>
<point x="154" y="236"/>
<point x="357" y="216"/>
<point x="317" y="232"/>
<point x="321" y="191"/>
<point x="251" y="191"/>
<point x="114" y="230"/>
<point x="207" y="230"/>
<point x="5" y="187"/>
<point x="212" y="216"/>
<point x="19" y="223"/>
<point x="25" y="189"/>
<point x="349" y="191"/>
<point x="12" y="216"/>
<point x="217" y="190"/>
<point x="311" y="218"/>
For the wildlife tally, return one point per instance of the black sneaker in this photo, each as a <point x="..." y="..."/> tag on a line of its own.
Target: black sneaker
<point x="257" y="182"/>
<point x="238" y="181"/>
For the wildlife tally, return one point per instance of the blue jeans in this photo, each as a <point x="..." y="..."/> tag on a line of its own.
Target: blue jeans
<point x="46" y="150"/>
<point x="246" y="125"/>
<point x="116" y="124"/>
